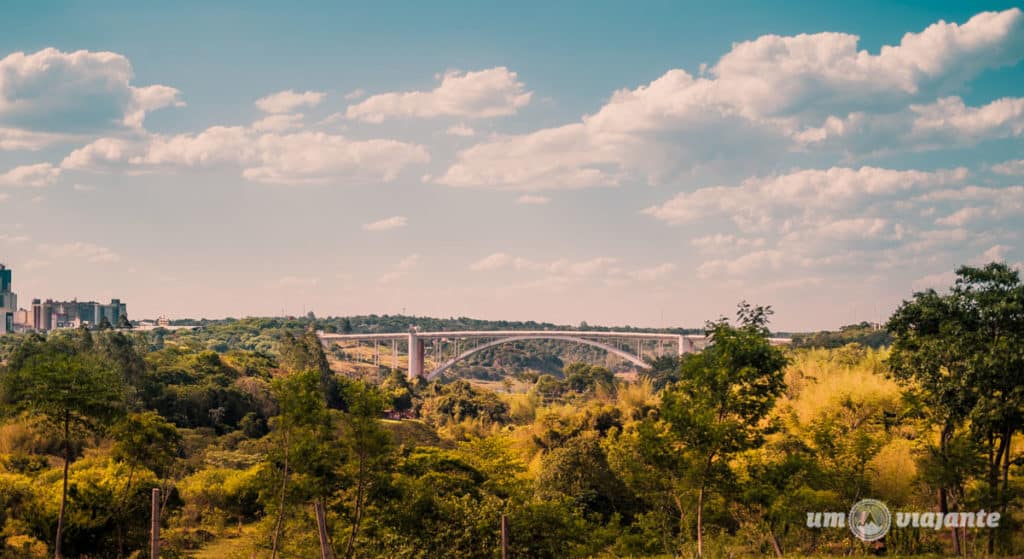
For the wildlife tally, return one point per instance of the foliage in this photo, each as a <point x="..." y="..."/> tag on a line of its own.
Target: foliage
<point x="244" y="425"/>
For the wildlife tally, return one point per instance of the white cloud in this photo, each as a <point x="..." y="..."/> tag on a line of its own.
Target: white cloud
<point x="960" y="217"/>
<point x="298" y="282"/>
<point x="939" y="281"/>
<point x="317" y="158"/>
<point x="764" y="98"/>
<point x="85" y="251"/>
<point x="14" y="238"/>
<point x="719" y="242"/>
<point x="58" y="92"/>
<point x="765" y="202"/>
<point x="532" y="200"/>
<point x="387" y="224"/>
<point x="278" y="123"/>
<point x="483" y="94"/>
<point x="98" y="154"/>
<point x="288" y="101"/>
<point x="281" y="158"/>
<point x="842" y="221"/>
<point x="401" y="269"/>
<point x="495" y="261"/>
<point x="1013" y="167"/>
<point x="15" y="139"/>
<point x="995" y="253"/>
<point x="460" y="129"/>
<point x="949" y="116"/>
<point x="653" y="273"/>
<point x="37" y="175"/>
<point x="354" y="94"/>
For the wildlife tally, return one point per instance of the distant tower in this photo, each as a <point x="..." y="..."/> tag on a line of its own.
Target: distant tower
<point x="8" y="301"/>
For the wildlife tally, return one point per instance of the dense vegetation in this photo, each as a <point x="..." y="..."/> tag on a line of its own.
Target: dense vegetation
<point x="244" y="426"/>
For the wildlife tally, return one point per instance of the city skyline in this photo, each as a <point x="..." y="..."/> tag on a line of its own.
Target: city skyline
<point x="581" y="162"/>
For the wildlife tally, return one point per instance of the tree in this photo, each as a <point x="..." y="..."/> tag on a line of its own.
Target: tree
<point x="960" y="354"/>
<point x="73" y="392"/>
<point x="305" y="446"/>
<point x="719" y="406"/>
<point x="369" y="450"/>
<point x="142" y="440"/>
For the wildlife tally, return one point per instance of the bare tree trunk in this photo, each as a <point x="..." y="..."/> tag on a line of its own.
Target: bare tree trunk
<point x="360" y="487"/>
<point x="64" y="491"/>
<point x="276" y="546"/>
<point x="775" y="542"/>
<point x="943" y="500"/>
<point x="121" y="512"/>
<point x="700" y="522"/>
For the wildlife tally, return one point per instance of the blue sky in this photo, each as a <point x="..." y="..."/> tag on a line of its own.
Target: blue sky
<point x="617" y="163"/>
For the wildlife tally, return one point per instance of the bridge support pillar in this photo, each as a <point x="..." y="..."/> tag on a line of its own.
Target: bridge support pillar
<point x="415" y="356"/>
<point x="682" y="346"/>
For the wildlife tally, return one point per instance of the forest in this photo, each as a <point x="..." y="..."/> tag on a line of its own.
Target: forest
<point x="249" y="427"/>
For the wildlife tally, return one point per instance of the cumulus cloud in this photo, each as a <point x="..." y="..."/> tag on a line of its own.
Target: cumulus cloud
<point x="653" y="273"/>
<point x="766" y="202"/>
<point x="495" y="261"/>
<point x="1013" y="167"/>
<point x="98" y="154"/>
<point x="317" y="158"/>
<point x="278" y="123"/>
<point x="288" y="101"/>
<point x="562" y="273"/>
<point x="763" y="98"/>
<point x="949" y="116"/>
<point x="483" y="94"/>
<point x="88" y="252"/>
<point x="841" y="220"/>
<point x="401" y="269"/>
<point x="15" y="139"/>
<point x="460" y="130"/>
<point x="387" y="224"/>
<point x="298" y="282"/>
<point x="532" y="200"/>
<point x="269" y="157"/>
<point x="37" y="175"/>
<point x="82" y="92"/>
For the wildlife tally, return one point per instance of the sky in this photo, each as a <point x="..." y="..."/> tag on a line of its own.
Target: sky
<point x="647" y="163"/>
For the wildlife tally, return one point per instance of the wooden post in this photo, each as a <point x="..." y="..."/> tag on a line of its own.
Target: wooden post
<point x="504" y="537"/>
<point x="154" y="527"/>
<point x="321" y="527"/>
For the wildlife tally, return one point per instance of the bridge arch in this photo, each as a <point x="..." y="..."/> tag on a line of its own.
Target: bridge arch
<point x="610" y="349"/>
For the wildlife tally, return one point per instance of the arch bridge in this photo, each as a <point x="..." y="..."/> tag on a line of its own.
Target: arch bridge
<point x="445" y="349"/>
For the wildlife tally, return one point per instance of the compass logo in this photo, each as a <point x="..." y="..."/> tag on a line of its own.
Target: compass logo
<point x="869" y="520"/>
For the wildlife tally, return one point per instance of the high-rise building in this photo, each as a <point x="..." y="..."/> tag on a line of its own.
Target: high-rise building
<point x="51" y="315"/>
<point x="8" y="301"/>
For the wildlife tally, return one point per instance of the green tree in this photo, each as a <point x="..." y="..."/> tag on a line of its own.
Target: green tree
<point x="142" y="440"/>
<point x="305" y="451"/>
<point x="719" y="405"/>
<point x="960" y="354"/>
<point x="369" y="450"/>
<point x="73" y="392"/>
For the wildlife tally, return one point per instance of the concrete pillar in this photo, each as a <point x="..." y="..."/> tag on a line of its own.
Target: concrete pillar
<point x="415" y="356"/>
<point x="682" y="345"/>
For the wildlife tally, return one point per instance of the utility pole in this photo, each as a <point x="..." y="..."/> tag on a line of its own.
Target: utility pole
<point x="321" y="528"/>
<point x="504" y="537"/>
<point x="154" y="527"/>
